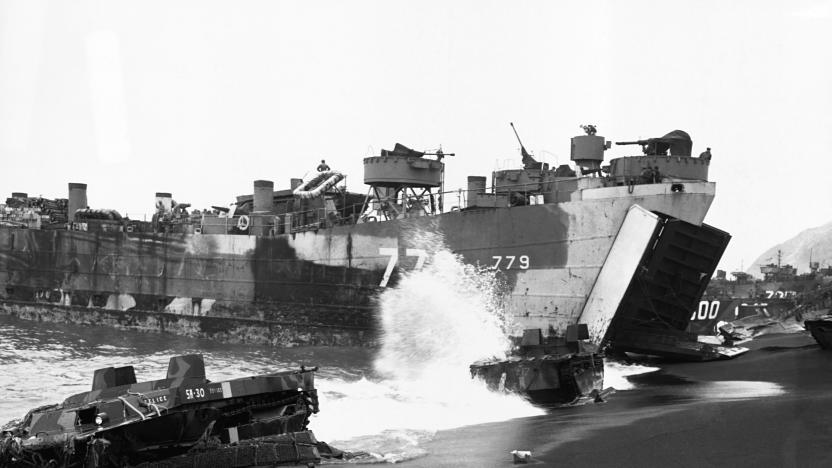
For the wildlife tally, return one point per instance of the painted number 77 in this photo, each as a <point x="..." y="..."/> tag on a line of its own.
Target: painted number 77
<point x="506" y="262"/>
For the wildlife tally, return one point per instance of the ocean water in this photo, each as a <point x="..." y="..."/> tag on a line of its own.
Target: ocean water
<point x="389" y="401"/>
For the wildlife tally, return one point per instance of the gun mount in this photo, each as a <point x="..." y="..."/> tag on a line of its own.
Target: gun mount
<point x="402" y="180"/>
<point x="588" y="150"/>
<point x="678" y="142"/>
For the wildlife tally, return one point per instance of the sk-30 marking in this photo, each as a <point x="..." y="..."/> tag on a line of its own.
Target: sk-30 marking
<point x="191" y="393"/>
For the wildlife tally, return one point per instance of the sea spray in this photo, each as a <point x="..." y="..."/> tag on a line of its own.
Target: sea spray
<point x="440" y="319"/>
<point x="616" y="373"/>
<point x="435" y="322"/>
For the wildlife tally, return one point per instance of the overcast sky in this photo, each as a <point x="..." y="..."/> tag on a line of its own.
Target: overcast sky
<point x="200" y="98"/>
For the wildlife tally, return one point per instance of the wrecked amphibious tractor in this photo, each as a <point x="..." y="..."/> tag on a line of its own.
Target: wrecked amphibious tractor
<point x="123" y="423"/>
<point x="547" y="370"/>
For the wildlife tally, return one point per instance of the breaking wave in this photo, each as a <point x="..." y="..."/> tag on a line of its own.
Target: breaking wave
<point x="436" y="321"/>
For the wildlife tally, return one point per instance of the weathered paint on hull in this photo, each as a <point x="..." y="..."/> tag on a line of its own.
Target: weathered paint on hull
<point x="224" y="329"/>
<point x="326" y="280"/>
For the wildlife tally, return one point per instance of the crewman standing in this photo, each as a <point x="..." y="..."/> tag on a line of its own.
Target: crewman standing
<point x="706" y="155"/>
<point x="323" y="166"/>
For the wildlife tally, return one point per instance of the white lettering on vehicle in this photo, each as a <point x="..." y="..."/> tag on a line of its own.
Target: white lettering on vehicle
<point x="191" y="393"/>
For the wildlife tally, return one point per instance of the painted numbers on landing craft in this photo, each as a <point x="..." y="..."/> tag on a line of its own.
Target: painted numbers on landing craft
<point x="393" y="252"/>
<point x="507" y="262"/>
<point x="708" y="310"/>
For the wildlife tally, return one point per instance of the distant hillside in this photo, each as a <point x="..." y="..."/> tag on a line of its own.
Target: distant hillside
<point x="816" y="242"/>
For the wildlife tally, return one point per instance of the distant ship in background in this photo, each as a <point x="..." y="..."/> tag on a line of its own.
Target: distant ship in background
<point x="745" y="298"/>
<point x="620" y="247"/>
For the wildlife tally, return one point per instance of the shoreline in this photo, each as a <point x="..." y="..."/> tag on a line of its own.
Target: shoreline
<point x="676" y="417"/>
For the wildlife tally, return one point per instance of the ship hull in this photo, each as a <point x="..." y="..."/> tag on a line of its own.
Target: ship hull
<point x="318" y="287"/>
<point x="821" y="330"/>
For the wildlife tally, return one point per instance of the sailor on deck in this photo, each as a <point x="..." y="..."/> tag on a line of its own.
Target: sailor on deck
<point x="323" y="166"/>
<point x="706" y="155"/>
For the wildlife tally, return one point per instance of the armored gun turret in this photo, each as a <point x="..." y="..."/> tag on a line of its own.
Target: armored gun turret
<point x="678" y="142"/>
<point x="402" y="182"/>
<point x="656" y="164"/>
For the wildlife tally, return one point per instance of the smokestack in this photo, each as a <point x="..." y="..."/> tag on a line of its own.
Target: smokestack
<point x="164" y="202"/>
<point x="476" y="186"/>
<point x="263" y="195"/>
<point x="77" y="199"/>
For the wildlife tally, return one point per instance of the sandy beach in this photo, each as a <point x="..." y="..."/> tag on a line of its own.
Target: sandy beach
<point x="769" y="407"/>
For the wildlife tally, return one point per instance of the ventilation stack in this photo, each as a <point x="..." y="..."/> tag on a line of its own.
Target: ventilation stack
<point x="263" y="195"/>
<point x="77" y="199"/>
<point x="261" y="213"/>
<point x="476" y="188"/>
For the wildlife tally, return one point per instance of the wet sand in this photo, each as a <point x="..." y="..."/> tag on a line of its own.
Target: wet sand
<point x="769" y="407"/>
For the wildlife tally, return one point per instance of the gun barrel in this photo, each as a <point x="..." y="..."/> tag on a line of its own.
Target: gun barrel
<point x="515" y="133"/>
<point x="639" y="142"/>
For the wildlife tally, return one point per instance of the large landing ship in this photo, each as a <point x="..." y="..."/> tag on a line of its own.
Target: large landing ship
<point x="586" y="243"/>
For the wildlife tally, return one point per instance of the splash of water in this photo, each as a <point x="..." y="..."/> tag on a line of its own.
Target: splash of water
<point x="616" y="373"/>
<point x="436" y="322"/>
<point x="439" y="320"/>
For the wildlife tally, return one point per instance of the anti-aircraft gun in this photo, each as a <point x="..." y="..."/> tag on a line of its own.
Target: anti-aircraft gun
<point x="678" y="142"/>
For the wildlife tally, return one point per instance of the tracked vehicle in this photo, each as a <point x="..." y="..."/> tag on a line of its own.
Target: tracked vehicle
<point x="260" y="419"/>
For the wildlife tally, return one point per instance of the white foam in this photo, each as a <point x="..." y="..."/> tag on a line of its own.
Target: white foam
<point x="616" y="373"/>
<point x="436" y="322"/>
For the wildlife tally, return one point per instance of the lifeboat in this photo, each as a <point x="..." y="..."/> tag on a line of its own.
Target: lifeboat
<point x="318" y="185"/>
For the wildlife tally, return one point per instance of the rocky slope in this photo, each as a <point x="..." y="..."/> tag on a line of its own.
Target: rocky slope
<point x="815" y="242"/>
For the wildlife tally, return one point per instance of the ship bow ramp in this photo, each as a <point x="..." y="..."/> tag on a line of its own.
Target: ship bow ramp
<point x="667" y="263"/>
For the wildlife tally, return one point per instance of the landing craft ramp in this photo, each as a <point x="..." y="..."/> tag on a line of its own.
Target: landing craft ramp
<point x="669" y="263"/>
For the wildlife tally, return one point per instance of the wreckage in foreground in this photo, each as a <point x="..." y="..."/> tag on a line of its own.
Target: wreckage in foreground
<point x="547" y="370"/>
<point x="250" y="421"/>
